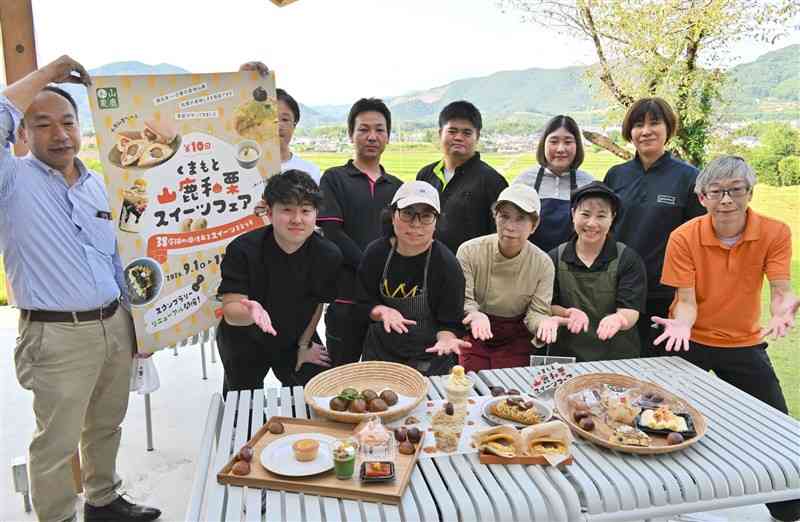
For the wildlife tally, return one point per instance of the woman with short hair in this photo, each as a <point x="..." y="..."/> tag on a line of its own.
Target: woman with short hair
<point x="600" y="284"/>
<point x="412" y="288"/>
<point x="560" y="153"/>
<point x="509" y="282"/>
<point x="657" y="195"/>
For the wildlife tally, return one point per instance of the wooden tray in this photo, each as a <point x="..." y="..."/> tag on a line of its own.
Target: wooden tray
<point x="601" y="433"/>
<point x="376" y="375"/>
<point x="325" y="484"/>
<point x="488" y="458"/>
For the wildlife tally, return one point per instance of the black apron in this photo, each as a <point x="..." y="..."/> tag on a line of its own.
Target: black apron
<point x="408" y="348"/>
<point x="595" y="293"/>
<point x="555" y="218"/>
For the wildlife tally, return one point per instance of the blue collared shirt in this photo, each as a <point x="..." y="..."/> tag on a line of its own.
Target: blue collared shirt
<point x="58" y="242"/>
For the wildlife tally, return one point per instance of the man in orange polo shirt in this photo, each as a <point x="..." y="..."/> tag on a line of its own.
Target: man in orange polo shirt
<point x="717" y="263"/>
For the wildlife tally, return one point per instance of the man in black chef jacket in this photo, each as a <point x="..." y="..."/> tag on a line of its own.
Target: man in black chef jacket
<point x="274" y="281"/>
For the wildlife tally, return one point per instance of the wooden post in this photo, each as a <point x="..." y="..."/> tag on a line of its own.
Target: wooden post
<point x="19" y="44"/>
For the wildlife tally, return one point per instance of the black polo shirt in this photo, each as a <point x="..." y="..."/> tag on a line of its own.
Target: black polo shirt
<point x="631" y="277"/>
<point x="351" y="215"/>
<point x="288" y="286"/>
<point x="466" y="200"/>
<point x="446" y="283"/>
<point x="654" y="203"/>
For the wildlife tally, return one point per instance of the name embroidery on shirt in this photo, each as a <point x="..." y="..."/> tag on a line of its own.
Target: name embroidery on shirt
<point x="666" y="199"/>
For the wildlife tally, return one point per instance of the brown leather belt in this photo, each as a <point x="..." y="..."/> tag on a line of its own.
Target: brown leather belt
<point x="70" y="317"/>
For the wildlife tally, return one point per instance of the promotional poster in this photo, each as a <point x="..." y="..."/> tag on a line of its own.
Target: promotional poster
<point x="185" y="160"/>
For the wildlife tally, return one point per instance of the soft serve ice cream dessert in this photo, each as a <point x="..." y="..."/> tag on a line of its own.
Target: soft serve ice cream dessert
<point x="458" y="388"/>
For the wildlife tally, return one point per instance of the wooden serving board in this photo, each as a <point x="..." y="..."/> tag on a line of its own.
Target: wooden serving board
<point x="602" y="431"/>
<point x="325" y="484"/>
<point x="488" y="458"/>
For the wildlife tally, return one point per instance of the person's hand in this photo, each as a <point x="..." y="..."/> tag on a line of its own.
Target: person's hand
<point x="260" y="209"/>
<point x="314" y="354"/>
<point x="449" y="345"/>
<point x="67" y="70"/>
<point x="675" y="332"/>
<point x="577" y="320"/>
<point x="781" y="323"/>
<point x="547" y="332"/>
<point x="259" y="316"/>
<point x="609" y="326"/>
<point x="480" y="328"/>
<point x="262" y="69"/>
<point x="393" y="321"/>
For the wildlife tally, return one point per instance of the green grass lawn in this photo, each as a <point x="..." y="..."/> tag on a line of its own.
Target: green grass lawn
<point x="781" y="203"/>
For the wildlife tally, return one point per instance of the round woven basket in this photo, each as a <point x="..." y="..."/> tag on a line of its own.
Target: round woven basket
<point x="376" y="375"/>
<point x="591" y="380"/>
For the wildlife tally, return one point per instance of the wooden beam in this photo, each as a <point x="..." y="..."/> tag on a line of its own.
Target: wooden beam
<point x="19" y="47"/>
<point x="19" y="44"/>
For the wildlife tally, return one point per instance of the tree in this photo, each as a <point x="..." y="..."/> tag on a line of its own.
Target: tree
<point x="775" y="158"/>
<point x="661" y="48"/>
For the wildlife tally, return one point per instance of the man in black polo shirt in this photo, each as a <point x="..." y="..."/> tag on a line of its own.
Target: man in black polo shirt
<point x="274" y="281"/>
<point x="354" y="195"/>
<point x="467" y="186"/>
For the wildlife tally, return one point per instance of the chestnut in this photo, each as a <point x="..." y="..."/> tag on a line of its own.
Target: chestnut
<point x="389" y="397"/>
<point x="580" y="414"/>
<point x="674" y="438"/>
<point x="497" y="391"/>
<point x="377" y="405"/>
<point x="401" y="434"/>
<point x="414" y="435"/>
<point x="275" y="427"/>
<point x="368" y="395"/>
<point x="246" y="453"/>
<point x="448" y="408"/>
<point x="339" y="404"/>
<point x="358" y="406"/>
<point x="241" y="468"/>
<point x="406" y="448"/>
<point x="586" y="423"/>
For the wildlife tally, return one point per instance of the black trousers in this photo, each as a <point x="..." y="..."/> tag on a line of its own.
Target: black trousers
<point x="658" y="307"/>
<point x="345" y="330"/>
<point x="246" y="366"/>
<point x="750" y="370"/>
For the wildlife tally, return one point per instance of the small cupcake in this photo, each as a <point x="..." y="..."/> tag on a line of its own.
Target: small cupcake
<point x="305" y="450"/>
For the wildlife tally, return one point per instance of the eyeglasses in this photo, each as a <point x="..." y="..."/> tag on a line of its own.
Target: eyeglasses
<point x="426" y="218"/>
<point x="735" y="192"/>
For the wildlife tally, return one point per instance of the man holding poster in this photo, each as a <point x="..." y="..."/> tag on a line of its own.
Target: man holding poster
<point x="75" y="345"/>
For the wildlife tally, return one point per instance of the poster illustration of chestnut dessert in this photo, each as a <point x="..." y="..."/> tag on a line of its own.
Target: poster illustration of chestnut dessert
<point x="185" y="159"/>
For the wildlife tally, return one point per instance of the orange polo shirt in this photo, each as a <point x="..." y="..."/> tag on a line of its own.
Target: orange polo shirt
<point x="727" y="281"/>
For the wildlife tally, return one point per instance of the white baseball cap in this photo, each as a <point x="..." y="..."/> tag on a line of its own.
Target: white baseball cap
<point x="413" y="192"/>
<point x="523" y="196"/>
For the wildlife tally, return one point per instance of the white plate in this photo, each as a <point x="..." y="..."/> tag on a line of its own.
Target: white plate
<point x="545" y="412"/>
<point x="278" y="456"/>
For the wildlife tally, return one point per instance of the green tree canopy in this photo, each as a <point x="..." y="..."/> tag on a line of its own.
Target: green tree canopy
<point x="664" y="48"/>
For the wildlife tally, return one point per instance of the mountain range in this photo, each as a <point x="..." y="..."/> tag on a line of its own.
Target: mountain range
<point x="533" y="93"/>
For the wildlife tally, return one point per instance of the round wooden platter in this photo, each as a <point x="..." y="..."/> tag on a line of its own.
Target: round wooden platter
<point x="375" y="375"/>
<point x="600" y="435"/>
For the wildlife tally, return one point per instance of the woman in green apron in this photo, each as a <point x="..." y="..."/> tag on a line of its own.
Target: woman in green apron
<point x="412" y="287"/>
<point x="600" y="284"/>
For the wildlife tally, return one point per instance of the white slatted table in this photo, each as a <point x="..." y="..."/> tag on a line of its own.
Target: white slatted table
<point x="750" y="454"/>
<point x="442" y="488"/>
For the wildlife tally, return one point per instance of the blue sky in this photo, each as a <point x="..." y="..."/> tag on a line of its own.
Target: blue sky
<point x="323" y="51"/>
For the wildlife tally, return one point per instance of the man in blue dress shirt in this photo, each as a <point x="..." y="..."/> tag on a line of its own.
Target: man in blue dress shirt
<point x="75" y="344"/>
